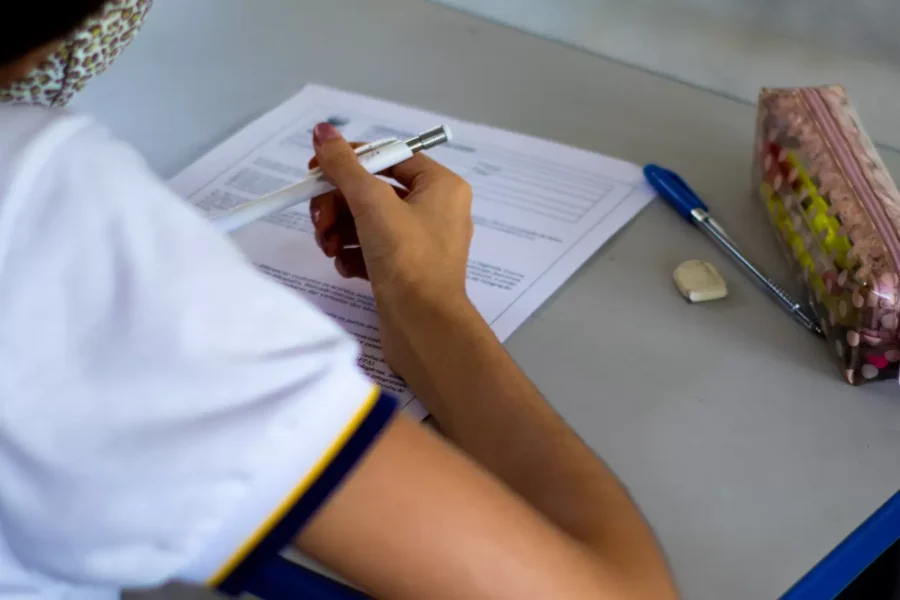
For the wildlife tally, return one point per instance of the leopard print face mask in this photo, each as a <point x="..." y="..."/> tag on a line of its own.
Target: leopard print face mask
<point x="85" y="53"/>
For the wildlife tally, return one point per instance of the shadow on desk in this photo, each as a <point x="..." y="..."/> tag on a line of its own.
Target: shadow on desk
<point x="881" y="581"/>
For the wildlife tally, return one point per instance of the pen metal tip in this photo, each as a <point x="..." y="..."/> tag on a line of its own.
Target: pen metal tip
<point x="430" y="139"/>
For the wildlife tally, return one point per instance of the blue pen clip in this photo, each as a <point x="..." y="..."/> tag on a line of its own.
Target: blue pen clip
<point x="675" y="191"/>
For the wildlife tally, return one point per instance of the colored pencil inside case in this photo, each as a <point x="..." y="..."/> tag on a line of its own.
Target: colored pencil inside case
<point x="836" y="212"/>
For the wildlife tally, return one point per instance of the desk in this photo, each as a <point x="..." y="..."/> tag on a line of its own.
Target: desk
<point x="729" y="423"/>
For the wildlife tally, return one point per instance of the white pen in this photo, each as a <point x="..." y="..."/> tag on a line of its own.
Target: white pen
<point x="375" y="157"/>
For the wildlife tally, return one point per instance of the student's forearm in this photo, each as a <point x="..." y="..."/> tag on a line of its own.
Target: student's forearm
<point x="488" y="408"/>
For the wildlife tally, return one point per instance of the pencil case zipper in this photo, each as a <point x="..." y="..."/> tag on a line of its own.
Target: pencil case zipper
<point x="849" y="163"/>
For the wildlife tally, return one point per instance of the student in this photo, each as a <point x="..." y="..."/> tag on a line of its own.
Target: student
<point x="167" y="413"/>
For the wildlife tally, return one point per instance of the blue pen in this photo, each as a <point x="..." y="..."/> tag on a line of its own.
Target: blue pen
<point x="673" y="189"/>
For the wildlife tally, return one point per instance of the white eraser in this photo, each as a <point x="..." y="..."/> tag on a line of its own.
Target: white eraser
<point x="448" y="132"/>
<point x="700" y="281"/>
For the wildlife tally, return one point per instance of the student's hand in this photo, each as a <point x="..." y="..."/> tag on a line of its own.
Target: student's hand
<point x="412" y="244"/>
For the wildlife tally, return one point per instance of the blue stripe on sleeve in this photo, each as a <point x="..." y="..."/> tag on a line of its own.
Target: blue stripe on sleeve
<point x="260" y="560"/>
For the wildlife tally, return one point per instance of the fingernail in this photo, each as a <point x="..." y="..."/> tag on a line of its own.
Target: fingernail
<point x="330" y="244"/>
<point x="340" y="268"/>
<point x="316" y="214"/>
<point x="319" y="241"/>
<point x="324" y="132"/>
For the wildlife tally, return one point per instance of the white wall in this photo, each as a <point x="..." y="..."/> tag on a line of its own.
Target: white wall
<point x="734" y="47"/>
<point x="864" y="27"/>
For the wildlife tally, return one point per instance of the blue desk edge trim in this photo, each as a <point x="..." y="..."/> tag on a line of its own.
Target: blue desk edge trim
<point x="851" y="557"/>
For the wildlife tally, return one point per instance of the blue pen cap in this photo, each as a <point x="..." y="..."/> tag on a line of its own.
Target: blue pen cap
<point x="674" y="190"/>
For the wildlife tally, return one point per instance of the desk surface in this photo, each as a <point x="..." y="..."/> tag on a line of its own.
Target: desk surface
<point x="728" y="423"/>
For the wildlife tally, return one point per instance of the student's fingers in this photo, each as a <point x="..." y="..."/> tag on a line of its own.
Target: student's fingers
<point x="350" y="263"/>
<point x="402" y="193"/>
<point x="326" y="210"/>
<point x="340" y="236"/>
<point x="329" y="209"/>
<point x="314" y="161"/>
<point x="418" y="171"/>
<point x="341" y="232"/>
<point x="332" y="223"/>
<point x="420" y="168"/>
<point x="365" y="193"/>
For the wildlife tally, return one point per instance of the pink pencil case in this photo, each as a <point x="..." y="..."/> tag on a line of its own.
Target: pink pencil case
<point x="836" y="212"/>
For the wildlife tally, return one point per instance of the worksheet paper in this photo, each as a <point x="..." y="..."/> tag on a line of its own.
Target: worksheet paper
<point x="540" y="209"/>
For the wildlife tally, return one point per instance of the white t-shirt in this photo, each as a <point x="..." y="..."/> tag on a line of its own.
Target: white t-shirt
<point x="166" y="411"/>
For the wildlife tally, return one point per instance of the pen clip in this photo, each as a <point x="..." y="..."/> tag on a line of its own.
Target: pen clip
<point x="360" y="152"/>
<point x="674" y="190"/>
<point x="376" y="145"/>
